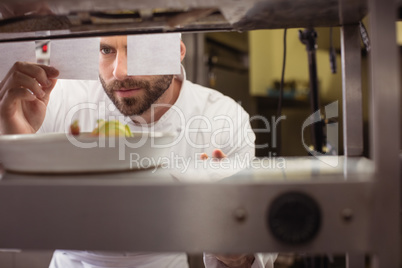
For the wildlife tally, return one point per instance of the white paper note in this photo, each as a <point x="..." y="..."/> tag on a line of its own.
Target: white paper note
<point x="12" y="52"/>
<point x="153" y="54"/>
<point x="76" y="58"/>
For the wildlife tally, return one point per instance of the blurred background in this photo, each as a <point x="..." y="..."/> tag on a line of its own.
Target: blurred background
<point x="247" y="66"/>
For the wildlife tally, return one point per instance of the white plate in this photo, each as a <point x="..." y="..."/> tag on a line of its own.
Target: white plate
<point x="64" y="153"/>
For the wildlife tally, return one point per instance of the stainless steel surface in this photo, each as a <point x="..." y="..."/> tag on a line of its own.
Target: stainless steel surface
<point x="150" y="211"/>
<point x="385" y="119"/>
<point x="352" y="91"/>
<point x="97" y="17"/>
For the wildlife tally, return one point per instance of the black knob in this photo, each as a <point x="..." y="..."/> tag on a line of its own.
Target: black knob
<point x="294" y="218"/>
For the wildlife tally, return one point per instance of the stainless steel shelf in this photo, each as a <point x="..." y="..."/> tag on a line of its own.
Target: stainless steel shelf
<point x="33" y="20"/>
<point x="155" y="212"/>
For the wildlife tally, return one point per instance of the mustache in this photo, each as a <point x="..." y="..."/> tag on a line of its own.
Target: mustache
<point x="129" y="83"/>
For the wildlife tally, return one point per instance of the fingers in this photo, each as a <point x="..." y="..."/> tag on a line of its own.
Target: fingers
<point x="48" y="90"/>
<point x="50" y="71"/>
<point x="41" y="73"/>
<point x="12" y="95"/>
<point x="39" y="79"/>
<point x="216" y="154"/>
<point x="204" y="156"/>
<point x="24" y="94"/>
<point x="21" y="80"/>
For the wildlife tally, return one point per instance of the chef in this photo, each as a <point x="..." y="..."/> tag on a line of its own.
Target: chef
<point x="32" y="100"/>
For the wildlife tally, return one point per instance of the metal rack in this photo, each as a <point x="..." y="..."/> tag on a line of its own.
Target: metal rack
<point x="359" y="209"/>
<point x="90" y="205"/>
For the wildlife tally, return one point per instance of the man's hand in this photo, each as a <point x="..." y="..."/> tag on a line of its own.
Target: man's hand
<point x="24" y="95"/>
<point x="216" y="154"/>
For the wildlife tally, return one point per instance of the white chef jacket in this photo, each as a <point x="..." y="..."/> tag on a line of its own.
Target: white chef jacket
<point x="203" y="119"/>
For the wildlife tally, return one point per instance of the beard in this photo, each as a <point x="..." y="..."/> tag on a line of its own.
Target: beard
<point x="130" y="106"/>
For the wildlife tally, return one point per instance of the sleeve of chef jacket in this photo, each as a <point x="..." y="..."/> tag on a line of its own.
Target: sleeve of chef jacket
<point x="262" y="260"/>
<point x="242" y="145"/>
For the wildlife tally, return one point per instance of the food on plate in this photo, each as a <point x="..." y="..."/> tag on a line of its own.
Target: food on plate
<point x="75" y="128"/>
<point x="104" y="128"/>
<point x="111" y="128"/>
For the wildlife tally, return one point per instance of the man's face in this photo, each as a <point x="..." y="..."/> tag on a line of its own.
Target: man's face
<point x="132" y="95"/>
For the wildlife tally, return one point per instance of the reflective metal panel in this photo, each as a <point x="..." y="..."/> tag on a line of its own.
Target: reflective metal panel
<point x="97" y="17"/>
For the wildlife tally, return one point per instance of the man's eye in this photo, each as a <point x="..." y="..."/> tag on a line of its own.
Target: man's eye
<point x="106" y="51"/>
